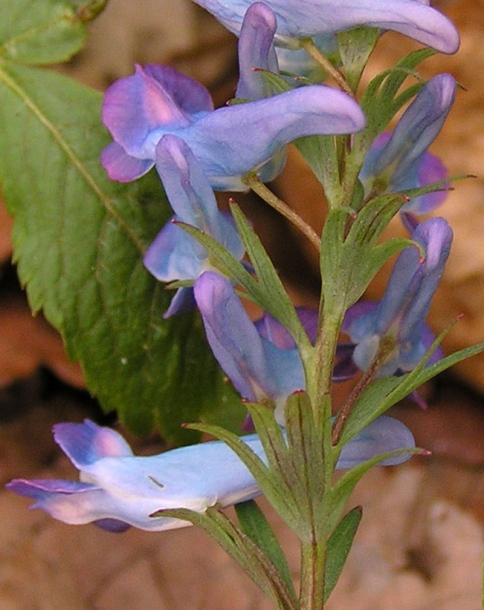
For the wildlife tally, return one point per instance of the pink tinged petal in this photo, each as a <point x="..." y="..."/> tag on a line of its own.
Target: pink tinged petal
<point x="135" y="108"/>
<point x="189" y="95"/>
<point x="383" y="435"/>
<point x="122" y="167"/>
<point x="86" y="443"/>
<point x="256" y="50"/>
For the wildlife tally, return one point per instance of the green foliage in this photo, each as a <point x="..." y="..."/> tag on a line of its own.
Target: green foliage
<point x="339" y="545"/>
<point x="242" y="548"/>
<point x="255" y="525"/>
<point x="350" y="256"/>
<point x="79" y="238"/>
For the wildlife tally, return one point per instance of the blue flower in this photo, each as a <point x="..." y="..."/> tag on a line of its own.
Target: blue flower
<point x="118" y="489"/>
<point x="400" y="161"/>
<point x="400" y="315"/>
<point x="260" y="359"/>
<point x="256" y="52"/>
<point x="298" y="19"/>
<point x="175" y="255"/>
<point x="228" y="142"/>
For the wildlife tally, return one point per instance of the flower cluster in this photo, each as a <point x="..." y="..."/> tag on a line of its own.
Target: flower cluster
<point x="159" y="118"/>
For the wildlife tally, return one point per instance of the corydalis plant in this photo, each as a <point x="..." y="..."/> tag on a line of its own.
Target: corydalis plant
<point x="400" y="161"/>
<point x="283" y="364"/>
<point x="175" y="255"/>
<point x="228" y="142"/>
<point x="398" y="320"/>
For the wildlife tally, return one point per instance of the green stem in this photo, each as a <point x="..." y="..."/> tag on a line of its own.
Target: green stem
<point x="387" y="345"/>
<point x="254" y="182"/>
<point x="313" y="556"/>
<point x="313" y="51"/>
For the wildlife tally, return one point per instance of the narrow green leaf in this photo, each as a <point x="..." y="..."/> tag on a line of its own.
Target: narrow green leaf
<point x="306" y="452"/>
<point x="385" y="393"/>
<point x="320" y="154"/>
<point x="346" y="484"/>
<point x="355" y="46"/>
<point x="255" y="525"/>
<point x="339" y="545"/>
<point x="242" y="549"/>
<point x="271" y="292"/>
<point x="268" y="292"/>
<point x="348" y="249"/>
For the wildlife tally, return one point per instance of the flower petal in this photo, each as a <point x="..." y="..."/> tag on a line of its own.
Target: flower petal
<point x="86" y="443"/>
<point x="419" y="126"/>
<point x="123" y="167"/>
<point x="383" y="435"/>
<point x="256" y="50"/>
<point x="233" y="338"/>
<point x="308" y="18"/>
<point x="235" y="140"/>
<point x="174" y="255"/>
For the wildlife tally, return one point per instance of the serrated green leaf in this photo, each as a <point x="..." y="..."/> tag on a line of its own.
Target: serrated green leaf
<point x="339" y="546"/>
<point x="40" y="32"/>
<point x="79" y="240"/>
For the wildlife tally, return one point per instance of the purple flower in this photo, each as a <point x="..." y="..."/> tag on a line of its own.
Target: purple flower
<point x="256" y="51"/>
<point x="400" y="315"/>
<point x="260" y="359"/>
<point x="175" y="255"/>
<point x="400" y="161"/>
<point x="118" y="489"/>
<point x="228" y="142"/>
<point x="298" y="19"/>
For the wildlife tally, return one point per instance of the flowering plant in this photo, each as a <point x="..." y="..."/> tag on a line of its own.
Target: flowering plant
<point x="96" y="236"/>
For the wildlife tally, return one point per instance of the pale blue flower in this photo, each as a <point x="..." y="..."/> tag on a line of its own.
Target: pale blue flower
<point x="400" y="315"/>
<point x="118" y="489"/>
<point x="174" y="254"/>
<point x="399" y="161"/>
<point x="297" y="19"/>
